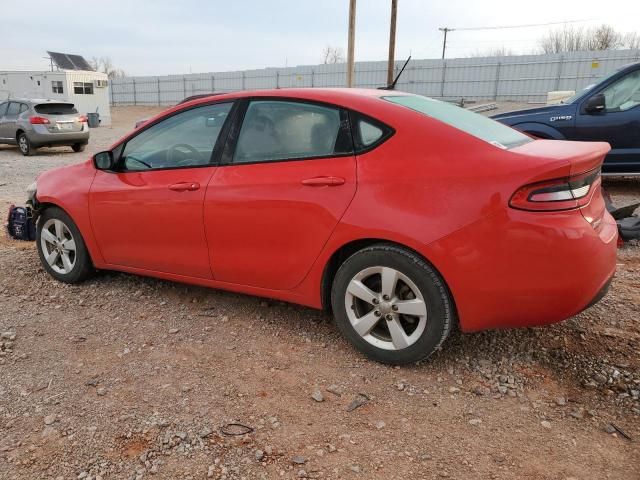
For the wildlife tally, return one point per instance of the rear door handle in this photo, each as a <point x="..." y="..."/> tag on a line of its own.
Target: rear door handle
<point x="323" y="182"/>
<point x="184" y="186"/>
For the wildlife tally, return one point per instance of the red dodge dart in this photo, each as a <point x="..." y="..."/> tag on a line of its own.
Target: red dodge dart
<point x="402" y="215"/>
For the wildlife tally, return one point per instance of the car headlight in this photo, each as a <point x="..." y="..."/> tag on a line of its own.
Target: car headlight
<point x="31" y="193"/>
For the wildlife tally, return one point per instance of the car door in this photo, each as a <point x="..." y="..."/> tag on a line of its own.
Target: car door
<point x="3" y="111"/>
<point x="148" y="213"/>
<point x="287" y="176"/>
<point x="618" y="123"/>
<point x="8" y="125"/>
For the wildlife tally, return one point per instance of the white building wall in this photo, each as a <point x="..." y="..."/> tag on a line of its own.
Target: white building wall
<point x="25" y="84"/>
<point x="99" y="101"/>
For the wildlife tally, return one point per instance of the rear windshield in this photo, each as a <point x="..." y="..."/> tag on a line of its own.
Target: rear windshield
<point x="473" y="123"/>
<point x="56" y="109"/>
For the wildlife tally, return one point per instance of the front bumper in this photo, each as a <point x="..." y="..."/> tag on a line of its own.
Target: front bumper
<point x="523" y="269"/>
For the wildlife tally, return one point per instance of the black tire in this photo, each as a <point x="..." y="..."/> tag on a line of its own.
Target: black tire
<point x="24" y="145"/>
<point x="439" y="306"/>
<point x="78" y="147"/>
<point x="82" y="266"/>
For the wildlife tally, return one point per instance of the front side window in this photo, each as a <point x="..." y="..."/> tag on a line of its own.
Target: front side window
<point x="284" y="130"/>
<point x="3" y="108"/>
<point x="186" y="139"/>
<point x="83" y="88"/>
<point x="56" y="86"/>
<point x="624" y="93"/>
<point x="472" y="123"/>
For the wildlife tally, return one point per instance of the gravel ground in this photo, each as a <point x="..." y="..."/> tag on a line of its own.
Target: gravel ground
<point x="126" y="377"/>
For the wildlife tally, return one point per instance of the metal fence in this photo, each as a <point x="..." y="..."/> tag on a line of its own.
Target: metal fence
<point x="524" y="78"/>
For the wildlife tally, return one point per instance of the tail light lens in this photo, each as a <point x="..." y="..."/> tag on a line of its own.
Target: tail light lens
<point x="83" y="119"/>
<point x="557" y="194"/>
<point x="39" y="121"/>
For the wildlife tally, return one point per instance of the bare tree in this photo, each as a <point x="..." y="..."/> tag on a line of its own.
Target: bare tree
<point x="604" y="37"/>
<point x="495" y="52"/>
<point x="631" y="41"/>
<point x="332" y="55"/>
<point x="571" y="39"/>
<point x="105" y="65"/>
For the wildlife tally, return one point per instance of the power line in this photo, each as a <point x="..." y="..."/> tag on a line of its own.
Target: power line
<point x="446" y="30"/>
<point x="500" y="27"/>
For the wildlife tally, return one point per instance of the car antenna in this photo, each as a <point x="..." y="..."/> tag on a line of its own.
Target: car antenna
<point x="393" y="85"/>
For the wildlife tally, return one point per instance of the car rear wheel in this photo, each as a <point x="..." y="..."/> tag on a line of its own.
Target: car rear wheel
<point x="61" y="248"/>
<point x="391" y="304"/>
<point x="78" y="147"/>
<point x="24" y="145"/>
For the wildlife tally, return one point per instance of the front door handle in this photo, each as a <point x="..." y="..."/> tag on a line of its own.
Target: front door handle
<point x="323" y="182"/>
<point x="184" y="186"/>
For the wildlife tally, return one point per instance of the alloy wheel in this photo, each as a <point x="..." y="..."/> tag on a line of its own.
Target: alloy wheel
<point x="386" y="308"/>
<point x="22" y="143"/>
<point x="58" y="246"/>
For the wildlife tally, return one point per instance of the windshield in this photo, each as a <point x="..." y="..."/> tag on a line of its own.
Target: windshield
<point x="472" y="123"/>
<point x="589" y="87"/>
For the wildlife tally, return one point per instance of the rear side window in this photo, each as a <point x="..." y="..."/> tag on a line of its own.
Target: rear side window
<point x="56" y="109"/>
<point x="472" y="123"/>
<point x="23" y="108"/>
<point x="13" y="109"/>
<point x="284" y="130"/>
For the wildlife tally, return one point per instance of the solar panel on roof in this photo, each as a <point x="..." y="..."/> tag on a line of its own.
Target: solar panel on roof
<point x="79" y="62"/>
<point x="69" y="62"/>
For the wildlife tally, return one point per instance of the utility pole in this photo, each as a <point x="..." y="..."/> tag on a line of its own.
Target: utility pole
<point x="352" y="39"/>
<point x="392" y="42"/>
<point x="444" y="42"/>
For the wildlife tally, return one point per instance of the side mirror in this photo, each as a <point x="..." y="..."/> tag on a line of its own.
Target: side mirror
<point x="595" y="104"/>
<point x="104" y="160"/>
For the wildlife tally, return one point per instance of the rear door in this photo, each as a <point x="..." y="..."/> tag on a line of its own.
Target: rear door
<point x="8" y="125"/>
<point x="618" y="124"/>
<point x="3" y="111"/>
<point x="287" y="177"/>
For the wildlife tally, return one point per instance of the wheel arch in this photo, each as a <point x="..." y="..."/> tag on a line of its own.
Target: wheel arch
<point x="346" y="250"/>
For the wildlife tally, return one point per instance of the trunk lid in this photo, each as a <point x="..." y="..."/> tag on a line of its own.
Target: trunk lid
<point x="64" y="117"/>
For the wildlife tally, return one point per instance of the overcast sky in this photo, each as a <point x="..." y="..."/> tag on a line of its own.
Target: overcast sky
<point x="182" y="36"/>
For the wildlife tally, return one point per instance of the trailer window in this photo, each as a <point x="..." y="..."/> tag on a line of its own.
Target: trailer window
<point x="56" y="109"/>
<point x="56" y="86"/>
<point x="83" y="88"/>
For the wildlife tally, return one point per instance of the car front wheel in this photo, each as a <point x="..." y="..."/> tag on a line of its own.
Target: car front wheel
<point x="61" y="248"/>
<point x="391" y="304"/>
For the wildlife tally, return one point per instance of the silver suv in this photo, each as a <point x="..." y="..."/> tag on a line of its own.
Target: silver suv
<point x="42" y="123"/>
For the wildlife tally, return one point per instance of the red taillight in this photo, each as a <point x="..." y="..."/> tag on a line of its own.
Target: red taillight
<point x="557" y="194"/>
<point x="83" y="119"/>
<point x="39" y="121"/>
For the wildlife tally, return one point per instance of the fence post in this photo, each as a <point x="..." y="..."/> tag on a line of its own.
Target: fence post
<point x="277" y="79"/>
<point x="243" y="82"/>
<point x="135" y="100"/>
<point x="312" y="78"/>
<point x="111" y="92"/>
<point x="495" y="93"/>
<point x="444" y="73"/>
<point x="213" y="84"/>
<point x="184" y="87"/>
<point x="159" y="103"/>
<point x="559" y="76"/>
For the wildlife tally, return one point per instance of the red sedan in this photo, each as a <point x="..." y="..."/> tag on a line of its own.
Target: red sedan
<point x="401" y="214"/>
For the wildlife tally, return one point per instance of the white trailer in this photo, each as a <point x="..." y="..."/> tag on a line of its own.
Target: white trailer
<point x="87" y="90"/>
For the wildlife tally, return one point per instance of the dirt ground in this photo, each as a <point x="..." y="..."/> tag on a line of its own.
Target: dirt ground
<point x="126" y="377"/>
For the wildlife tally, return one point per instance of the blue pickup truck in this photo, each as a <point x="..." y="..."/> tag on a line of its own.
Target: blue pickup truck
<point x="608" y="111"/>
